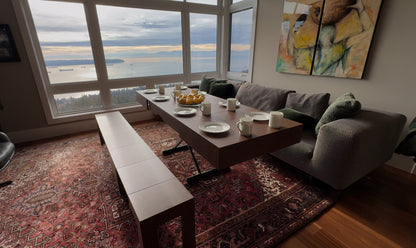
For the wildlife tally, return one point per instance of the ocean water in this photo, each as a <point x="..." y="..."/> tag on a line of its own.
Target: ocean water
<point x="128" y="69"/>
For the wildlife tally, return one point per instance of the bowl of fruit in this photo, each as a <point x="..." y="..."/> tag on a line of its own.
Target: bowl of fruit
<point x="190" y="99"/>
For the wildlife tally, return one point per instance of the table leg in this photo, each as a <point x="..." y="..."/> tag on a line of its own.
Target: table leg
<point x="175" y="149"/>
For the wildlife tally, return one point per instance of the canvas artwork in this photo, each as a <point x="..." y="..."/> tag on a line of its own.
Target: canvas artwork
<point x="326" y="37"/>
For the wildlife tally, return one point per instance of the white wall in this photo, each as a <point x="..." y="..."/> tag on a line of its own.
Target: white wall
<point x="389" y="80"/>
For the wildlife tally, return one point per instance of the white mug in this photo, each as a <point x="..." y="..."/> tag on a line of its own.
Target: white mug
<point x="205" y="107"/>
<point x="178" y="87"/>
<point x="276" y="118"/>
<point x="231" y="104"/>
<point x="245" y="126"/>
<point x="161" y="89"/>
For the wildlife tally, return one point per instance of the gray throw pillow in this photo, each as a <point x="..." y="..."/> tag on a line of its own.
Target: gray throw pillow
<point x="343" y="107"/>
<point x="294" y="115"/>
<point x="311" y="104"/>
<point x="262" y="98"/>
<point x="206" y="83"/>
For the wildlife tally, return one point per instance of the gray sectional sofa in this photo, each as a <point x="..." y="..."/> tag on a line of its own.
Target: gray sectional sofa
<point x="338" y="147"/>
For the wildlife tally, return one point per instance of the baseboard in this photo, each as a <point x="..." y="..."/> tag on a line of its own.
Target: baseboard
<point x="69" y="128"/>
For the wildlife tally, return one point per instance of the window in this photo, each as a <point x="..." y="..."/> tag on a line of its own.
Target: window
<point x="74" y="102"/>
<point x="241" y="39"/>
<point x="91" y="56"/>
<point x="140" y="42"/>
<point x="64" y="40"/>
<point x="241" y="24"/>
<point x="123" y="96"/>
<point x="203" y="42"/>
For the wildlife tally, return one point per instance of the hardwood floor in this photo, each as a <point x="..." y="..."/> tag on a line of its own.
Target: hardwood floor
<point x="377" y="211"/>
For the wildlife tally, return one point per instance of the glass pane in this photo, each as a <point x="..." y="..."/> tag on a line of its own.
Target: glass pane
<point x="211" y="2"/>
<point x="125" y="95"/>
<point x="141" y="42"/>
<point x="74" y="102"/>
<point x="64" y="40"/>
<point x="241" y="24"/>
<point x="203" y="34"/>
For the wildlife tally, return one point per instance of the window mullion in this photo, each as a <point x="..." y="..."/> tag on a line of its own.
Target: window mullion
<point x="186" y="47"/>
<point x="97" y="51"/>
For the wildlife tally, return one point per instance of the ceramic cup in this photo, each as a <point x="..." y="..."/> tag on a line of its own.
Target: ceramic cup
<point x="231" y="104"/>
<point x="161" y="89"/>
<point x="275" y="120"/>
<point x="205" y="108"/>
<point x="175" y="94"/>
<point x="178" y="87"/>
<point x="245" y="126"/>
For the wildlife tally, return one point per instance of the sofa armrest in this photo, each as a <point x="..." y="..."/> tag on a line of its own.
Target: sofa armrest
<point x="347" y="149"/>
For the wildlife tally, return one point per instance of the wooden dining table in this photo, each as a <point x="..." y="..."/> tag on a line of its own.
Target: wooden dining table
<point x="223" y="149"/>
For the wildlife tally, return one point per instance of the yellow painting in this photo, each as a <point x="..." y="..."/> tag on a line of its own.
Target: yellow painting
<point x="326" y="37"/>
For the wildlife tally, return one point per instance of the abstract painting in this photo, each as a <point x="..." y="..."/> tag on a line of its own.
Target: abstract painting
<point x="326" y="37"/>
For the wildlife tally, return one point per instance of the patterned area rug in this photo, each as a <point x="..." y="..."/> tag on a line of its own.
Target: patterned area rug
<point x="64" y="194"/>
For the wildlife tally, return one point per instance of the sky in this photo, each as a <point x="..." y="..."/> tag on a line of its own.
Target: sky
<point x="126" y="32"/>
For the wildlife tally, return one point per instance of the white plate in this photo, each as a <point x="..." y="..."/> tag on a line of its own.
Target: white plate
<point x="185" y="111"/>
<point x="214" y="127"/>
<point x="259" y="116"/>
<point x="189" y="105"/>
<point x="184" y="87"/>
<point x="224" y="104"/>
<point x="150" y="91"/>
<point x="161" y="98"/>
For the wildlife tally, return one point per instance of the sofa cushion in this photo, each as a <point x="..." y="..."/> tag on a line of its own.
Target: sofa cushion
<point x="205" y="84"/>
<point x="310" y="104"/>
<point x="343" y="107"/>
<point x="294" y="115"/>
<point x="221" y="89"/>
<point x="262" y="98"/>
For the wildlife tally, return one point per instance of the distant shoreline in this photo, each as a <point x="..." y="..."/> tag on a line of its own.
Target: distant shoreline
<point x="79" y="62"/>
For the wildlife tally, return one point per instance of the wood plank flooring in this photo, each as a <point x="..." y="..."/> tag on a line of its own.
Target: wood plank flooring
<point x="377" y="211"/>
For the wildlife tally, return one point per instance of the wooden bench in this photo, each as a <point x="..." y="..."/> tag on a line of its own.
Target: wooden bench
<point x="155" y="194"/>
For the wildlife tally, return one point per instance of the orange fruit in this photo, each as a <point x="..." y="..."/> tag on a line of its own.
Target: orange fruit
<point x="189" y="100"/>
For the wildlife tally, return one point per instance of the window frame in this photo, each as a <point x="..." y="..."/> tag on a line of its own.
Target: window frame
<point x="46" y="90"/>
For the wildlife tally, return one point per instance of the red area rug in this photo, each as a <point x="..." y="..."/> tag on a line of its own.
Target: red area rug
<point x="64" y="194"/>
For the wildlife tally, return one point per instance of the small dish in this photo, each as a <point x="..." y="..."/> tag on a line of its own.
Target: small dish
<point x="184" y="111"/>
<point x="214" y="127"/>
<point x="150" y="91"/>
<point x="224" y="103"/>
<point x="259" y="116"/>
<point x="184" y="87"/>
<point x="161" y="98"/>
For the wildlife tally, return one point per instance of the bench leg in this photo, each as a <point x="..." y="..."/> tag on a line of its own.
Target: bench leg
<point x="101" y="137"/>
<point x="188" y="225"/>
<point x="148" y="233"/>
<point x="120" y="185"/>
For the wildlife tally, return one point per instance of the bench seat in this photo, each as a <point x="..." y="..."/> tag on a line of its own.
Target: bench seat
<point x="155" y="194"/>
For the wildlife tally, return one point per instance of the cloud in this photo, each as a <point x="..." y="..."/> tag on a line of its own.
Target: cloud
<point x="141" y="49"/>
<point x="239" y="47"/>
<point x="204" y="47"/>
